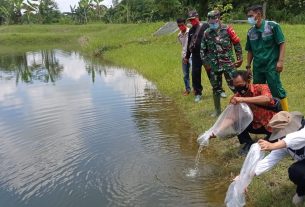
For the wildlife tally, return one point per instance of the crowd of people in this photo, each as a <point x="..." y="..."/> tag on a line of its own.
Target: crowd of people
<point x="213" y="45"/>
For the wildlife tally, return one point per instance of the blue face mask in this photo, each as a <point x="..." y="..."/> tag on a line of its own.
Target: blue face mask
<point x="214" y="26"/>
<point x="252" y="21"/>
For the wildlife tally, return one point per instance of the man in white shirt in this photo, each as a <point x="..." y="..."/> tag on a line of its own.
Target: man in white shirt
<point x="288" y="129"/>
<point x="183" y="39"/>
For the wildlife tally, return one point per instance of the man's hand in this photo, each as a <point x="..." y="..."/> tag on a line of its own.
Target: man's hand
<point x="238" y="63"/>
<point x="235" y="100"/>
<point x="185" y="61"/>
<point x="279" y="66"/>
<point x="265" y="145"/>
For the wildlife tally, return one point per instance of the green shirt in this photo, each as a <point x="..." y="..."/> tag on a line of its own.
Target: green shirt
<point x="264" y="43"/>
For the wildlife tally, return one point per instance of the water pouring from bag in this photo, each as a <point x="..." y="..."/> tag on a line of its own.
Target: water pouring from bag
<point x="231" y="122"/>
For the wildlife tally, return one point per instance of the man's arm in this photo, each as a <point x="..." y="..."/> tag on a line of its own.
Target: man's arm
<point x="280" y="40"/>
<point x="280" y="62"/>
<point x="249" y="54"/>
<point x="237" y="46"/>
<point x="188" y="52"/>
<point x="249" y="60"/>
<point x="268" y="146"/>
<point x="260" y="100"/>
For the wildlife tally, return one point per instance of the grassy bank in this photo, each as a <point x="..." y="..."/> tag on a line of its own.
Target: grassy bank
<point x="158" y="59"/>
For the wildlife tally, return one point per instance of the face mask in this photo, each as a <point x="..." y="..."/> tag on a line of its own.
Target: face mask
<point x="242" y="90"/>
<point x="182" y="28"/>
<point x="214" y="26"/>
<point x="194" y="22"/>
<point x="252" y="21"/>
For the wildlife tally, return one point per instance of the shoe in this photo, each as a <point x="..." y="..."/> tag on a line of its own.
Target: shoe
<point x="186" y="93"/>
<point x="197" y="98"/>
<point x="298" y="200"/>
<point x="245" y="149"/>
<point x="223" y="95"/>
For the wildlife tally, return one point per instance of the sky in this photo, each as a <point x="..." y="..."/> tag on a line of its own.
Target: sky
<point x="64" y="5"/>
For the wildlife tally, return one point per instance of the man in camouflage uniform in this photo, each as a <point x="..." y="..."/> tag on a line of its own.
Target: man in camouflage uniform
<point x="217" y="51"/>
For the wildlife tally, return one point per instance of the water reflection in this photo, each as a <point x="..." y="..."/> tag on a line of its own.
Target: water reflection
<point x="91" y="135"/>
<point x="27" y="67"/>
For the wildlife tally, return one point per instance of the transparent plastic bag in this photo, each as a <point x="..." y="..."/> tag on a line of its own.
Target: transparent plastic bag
<point x="231" y="122"/>
<point x="235" y="196"/>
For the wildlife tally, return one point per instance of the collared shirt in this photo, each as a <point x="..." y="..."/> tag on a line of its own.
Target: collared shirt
<point x="261" y="115"/>
<point x="183" y="39"/>
<point x="295" y="146"/>
<point x="264" y="43"/>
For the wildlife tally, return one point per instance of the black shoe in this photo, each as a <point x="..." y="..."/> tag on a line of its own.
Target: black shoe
<point x="245" y="149"/>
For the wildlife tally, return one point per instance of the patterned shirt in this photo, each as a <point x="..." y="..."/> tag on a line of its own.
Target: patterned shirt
<point x="261" y="115"/>
<point x="217" y="48"/>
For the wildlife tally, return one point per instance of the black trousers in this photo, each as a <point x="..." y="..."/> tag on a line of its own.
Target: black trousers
<point x="196" y="74"/>
<point x="245" y="137"/>
<point x="297" y="175"/>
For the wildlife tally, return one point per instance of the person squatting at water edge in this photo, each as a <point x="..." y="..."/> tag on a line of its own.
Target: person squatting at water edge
<point x="193" y="48"/>
<point x="262" y="104"/>
<point x="288" y="137"/>
<point x="266" y="47"/>
<point x="183" y="39"/>
<point x="217" y="52"/>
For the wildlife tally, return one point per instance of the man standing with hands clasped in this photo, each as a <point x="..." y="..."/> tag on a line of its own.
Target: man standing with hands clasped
<point x="266" y="47"/>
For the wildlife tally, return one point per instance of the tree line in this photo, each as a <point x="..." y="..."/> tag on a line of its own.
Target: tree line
<point x="137" y="11"/>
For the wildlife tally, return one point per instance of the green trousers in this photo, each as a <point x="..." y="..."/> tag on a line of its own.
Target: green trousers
<point x="272" y="78"/>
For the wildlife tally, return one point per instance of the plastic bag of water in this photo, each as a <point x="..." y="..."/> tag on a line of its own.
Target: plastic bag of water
<point x="231" y="122"/>
<point x="235" y="196"/>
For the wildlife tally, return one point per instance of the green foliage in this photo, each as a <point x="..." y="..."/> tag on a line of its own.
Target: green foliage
<point x="29" y="11"/>
<point x="139" y="11"/>
<point x="225" y="11"/>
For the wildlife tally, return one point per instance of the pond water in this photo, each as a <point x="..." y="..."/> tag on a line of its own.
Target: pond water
<point x="75" y="132"/>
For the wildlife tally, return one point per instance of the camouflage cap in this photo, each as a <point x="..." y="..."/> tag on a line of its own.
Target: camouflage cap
<point x="192" y="15"/>
<point x="215" y="14"/>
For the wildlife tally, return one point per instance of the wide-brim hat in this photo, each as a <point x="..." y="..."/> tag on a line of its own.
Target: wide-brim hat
<point x="284" y="123"/>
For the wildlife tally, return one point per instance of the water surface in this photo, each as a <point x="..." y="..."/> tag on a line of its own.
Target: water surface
<point x="74" y="132"/>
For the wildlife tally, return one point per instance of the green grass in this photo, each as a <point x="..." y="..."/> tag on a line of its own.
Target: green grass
<point x="158" y="59"/>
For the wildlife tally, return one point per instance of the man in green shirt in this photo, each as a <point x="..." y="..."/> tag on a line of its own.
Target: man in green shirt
<point x="266" y="47"/>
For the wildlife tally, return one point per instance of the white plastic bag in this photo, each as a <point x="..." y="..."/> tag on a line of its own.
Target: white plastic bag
<point x="235" y="196"/>
<point x="231" y="122"/>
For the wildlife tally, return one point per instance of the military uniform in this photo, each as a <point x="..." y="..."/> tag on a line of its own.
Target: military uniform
<point x="264" y="44"/>
<point x="217" y="51"/>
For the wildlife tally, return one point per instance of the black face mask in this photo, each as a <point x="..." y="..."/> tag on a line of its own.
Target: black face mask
<point x="242" y="90"/>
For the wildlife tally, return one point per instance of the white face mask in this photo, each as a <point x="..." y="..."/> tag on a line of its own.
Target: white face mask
<point x="252" y="21"/>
